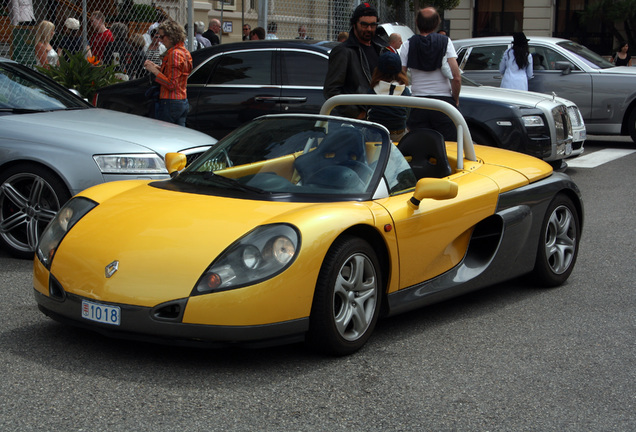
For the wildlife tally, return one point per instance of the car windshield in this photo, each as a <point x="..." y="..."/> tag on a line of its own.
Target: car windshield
<point x="23" y="90"/>
<point x="586" y="55"/>
<point x="295" y="154"/>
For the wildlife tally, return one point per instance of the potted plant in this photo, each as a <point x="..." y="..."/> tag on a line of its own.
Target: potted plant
<point x="85" y="75"/>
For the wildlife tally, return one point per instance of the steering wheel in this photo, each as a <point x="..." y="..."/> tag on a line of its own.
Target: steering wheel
<point x="363" y="170"/>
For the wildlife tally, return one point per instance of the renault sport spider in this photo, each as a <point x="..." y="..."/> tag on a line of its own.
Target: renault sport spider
<point x="305" y="227"/>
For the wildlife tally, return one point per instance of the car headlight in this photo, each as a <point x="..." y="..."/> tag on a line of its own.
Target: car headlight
<point x="130" y="164"/>
<point x="575" y="116"/>
<point x="261" y="254"/>
<point x="533" y="121"/>
<point x="55" y="231"/>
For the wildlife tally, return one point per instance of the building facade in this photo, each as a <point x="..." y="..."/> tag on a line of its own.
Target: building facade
<point x="559" y="18"/>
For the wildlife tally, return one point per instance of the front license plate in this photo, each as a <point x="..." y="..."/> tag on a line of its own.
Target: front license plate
<point x="101" y="313"/>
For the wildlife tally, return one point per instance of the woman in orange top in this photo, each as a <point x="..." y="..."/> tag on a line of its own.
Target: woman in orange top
<point x="172" y="76"/>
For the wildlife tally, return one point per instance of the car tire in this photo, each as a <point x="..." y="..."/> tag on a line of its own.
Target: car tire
<point x="347" y="299"/>
<point x="559" y="243"/>
<point x="30" y="196"/>
<point x="631" y="126"/>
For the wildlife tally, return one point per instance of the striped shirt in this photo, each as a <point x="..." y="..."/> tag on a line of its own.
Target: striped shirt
<point x="175" y="68"/>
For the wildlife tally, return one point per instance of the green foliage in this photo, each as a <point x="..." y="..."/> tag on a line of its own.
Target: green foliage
<point x="80" y="74"/>
<point x="611" y="13"/>
<point x="444" y="5"/>
<point x="133" y="12"/>
<point x="413" y="5"/>
<point x="440" y="5"/>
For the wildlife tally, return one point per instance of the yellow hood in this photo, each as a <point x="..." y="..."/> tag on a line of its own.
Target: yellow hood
<point x="163" y="240"/>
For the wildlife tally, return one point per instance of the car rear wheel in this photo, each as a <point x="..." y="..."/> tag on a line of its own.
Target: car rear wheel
<point x="30" y="196"/>
<point x="632" y="125"/>
<point x="559" y="242"/>
<point x="347" y="300"/>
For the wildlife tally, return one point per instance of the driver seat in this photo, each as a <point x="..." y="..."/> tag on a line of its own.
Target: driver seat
<point x="425" y="151"/>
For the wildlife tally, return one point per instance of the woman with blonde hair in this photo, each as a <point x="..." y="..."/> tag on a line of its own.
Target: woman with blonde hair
<point x="45" y="55"/>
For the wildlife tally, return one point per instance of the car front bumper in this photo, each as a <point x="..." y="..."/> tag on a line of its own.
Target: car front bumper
<point x="144" y="324"/>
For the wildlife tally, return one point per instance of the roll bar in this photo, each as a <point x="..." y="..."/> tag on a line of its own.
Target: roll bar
<point x="465" y="146"/>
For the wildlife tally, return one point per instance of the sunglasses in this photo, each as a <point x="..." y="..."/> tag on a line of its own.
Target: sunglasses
<point x="365" y="25"/>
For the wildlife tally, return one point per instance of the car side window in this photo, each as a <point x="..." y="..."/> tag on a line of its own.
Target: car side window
<point x="303" y="69"/>
<point x="485" y="57"/>
<point x="201" y="74"/>
<point x="544" y="58"/>
<point x="398" y="173"/>
<point x="254" y="67"/>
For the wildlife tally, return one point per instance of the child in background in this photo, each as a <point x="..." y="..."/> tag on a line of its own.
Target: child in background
<point x="389" y="79"/>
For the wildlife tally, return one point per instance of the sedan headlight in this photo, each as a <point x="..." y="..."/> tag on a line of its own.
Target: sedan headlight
<point x="575" y="116"/>
<point x="533" y="121"/>
<point x="62" y="223"/>
<point x="263" y="253"/>
<point x="130" y="164"/>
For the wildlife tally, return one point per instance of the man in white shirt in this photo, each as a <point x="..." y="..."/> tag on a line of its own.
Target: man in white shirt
<point x="432" y="59"/>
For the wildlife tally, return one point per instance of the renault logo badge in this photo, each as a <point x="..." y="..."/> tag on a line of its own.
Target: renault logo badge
<point x="112" y="268"/>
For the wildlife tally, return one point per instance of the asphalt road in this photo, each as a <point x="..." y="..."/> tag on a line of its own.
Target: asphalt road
<point x="508" y="358"/>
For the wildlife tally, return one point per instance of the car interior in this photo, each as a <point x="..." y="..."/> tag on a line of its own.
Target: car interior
<point x="425" y="151"/>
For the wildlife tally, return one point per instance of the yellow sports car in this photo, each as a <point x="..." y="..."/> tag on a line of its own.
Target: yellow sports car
<point x="305" y="227"/>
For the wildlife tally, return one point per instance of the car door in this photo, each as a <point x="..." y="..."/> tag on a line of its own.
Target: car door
<point x="481" y="63"/>
<point x="575" y="85"/>
<point x="231" y="89"/>
<point x="302" y="75"/>
<point x="433" y="238"/>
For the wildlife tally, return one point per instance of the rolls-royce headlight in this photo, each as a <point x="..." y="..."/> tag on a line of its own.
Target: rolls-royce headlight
<point x="62" y="223"/>
<point x="533" y="121"/>
<point x="143" y="163"/>
<point x="261" y="254"/>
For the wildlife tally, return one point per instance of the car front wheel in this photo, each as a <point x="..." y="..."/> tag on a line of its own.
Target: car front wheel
<point x="347" y="300"/>
<point x="30" y="196"/>
<point x="559" y="243"/>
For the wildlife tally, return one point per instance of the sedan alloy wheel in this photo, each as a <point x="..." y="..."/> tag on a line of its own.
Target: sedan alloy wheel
<point x="29" y="199"/>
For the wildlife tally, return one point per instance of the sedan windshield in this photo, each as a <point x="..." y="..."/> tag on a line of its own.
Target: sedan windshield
<point x="299" y="154"/>
<point x="586" y="55"/>
<point x="23" y="91"/>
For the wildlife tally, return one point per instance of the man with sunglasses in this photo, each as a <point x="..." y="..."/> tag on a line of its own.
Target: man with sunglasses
<point x="351" y="63"/>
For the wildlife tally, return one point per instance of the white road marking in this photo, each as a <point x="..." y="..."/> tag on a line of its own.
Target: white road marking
<point x="592" y="160"/>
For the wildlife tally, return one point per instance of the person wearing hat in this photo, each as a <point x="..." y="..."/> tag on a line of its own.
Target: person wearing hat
<point x="352" y="62"/>
<point x="389" y="79"/>
<point x="71" y="41"/>
<point x="432" y="59"/>
<point x="516" y="64"/>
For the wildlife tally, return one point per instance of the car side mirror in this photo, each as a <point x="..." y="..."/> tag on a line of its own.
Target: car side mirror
<point x="175" y="162"/>
<point x="433" y="188"/>
<point x="564" y="66"/>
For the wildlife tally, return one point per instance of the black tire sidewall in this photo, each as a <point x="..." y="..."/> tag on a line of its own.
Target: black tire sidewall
<point x="323" y="334"/>
<point x="631" y="125"/>
<point x="543" y="273"/>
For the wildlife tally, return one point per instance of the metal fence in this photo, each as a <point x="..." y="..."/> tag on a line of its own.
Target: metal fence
<point x="322" y="19"/>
